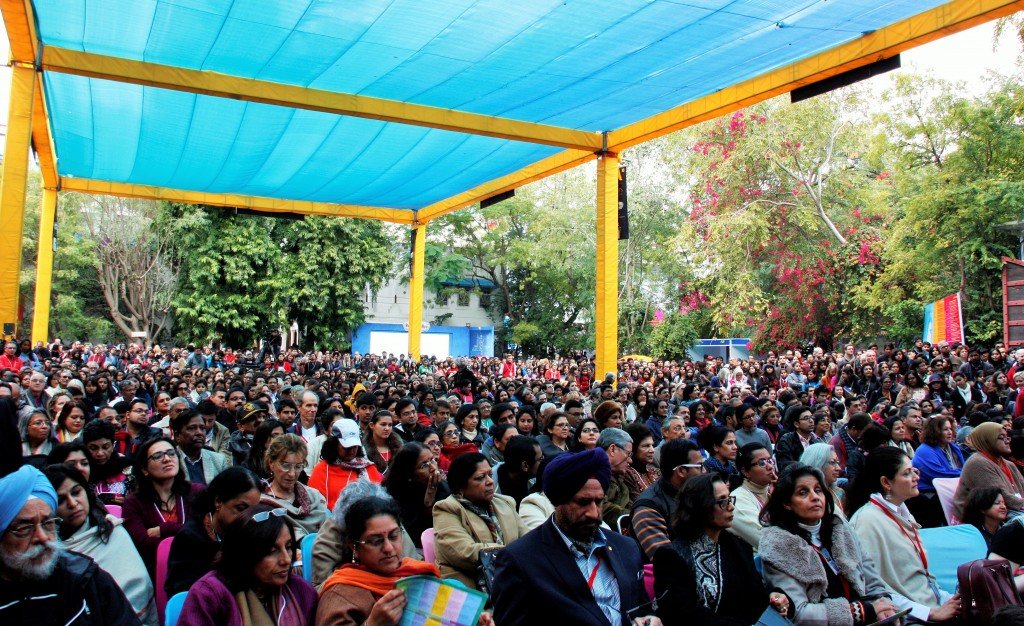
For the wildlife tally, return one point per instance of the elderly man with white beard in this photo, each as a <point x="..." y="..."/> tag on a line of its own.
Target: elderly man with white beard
<point x="41" y="583"/>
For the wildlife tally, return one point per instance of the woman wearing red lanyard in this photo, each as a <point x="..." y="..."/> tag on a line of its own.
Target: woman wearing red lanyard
<point x="813" y="556"/>
<point x="161" y="500"/>
<point x="889" y="535"/>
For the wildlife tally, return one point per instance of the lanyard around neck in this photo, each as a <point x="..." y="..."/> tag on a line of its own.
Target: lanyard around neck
<point x="914" y="538"/>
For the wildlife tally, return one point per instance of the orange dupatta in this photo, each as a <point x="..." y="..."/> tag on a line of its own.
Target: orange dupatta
<point x="358" y="576"/>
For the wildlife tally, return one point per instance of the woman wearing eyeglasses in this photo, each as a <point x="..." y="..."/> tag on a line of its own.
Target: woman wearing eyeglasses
<point x="555" y="440"/>
<point x="161" y="499"/>
<point x="889" y="535"/>
<point x="990" y="467"/>
<point x="451" y="445"/>
<point x="286" y="460"/>
<point x="253" y="584"/>
<point x="363" y="591"/>
<point x="416" y="484"/>
<point x="823" y="457"/>
<point x="707" y="575"/>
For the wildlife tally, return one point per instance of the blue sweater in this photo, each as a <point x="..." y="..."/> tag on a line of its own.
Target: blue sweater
<point x="932" y="463"/>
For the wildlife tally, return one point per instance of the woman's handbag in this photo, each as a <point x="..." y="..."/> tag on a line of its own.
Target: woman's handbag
<point x="985" y="587"/>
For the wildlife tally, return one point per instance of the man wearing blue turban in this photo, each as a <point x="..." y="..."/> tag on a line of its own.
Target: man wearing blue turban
<point x="568" y="570"/>
<point x="41" y="583"/>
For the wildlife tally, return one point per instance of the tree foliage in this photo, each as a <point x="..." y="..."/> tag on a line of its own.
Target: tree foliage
<point x="243" y="274"/>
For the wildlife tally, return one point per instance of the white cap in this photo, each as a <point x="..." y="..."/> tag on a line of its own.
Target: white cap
<point x="347" y="432"/>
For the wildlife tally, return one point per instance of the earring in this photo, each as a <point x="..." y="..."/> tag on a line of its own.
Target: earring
<point x="355" y="559"/>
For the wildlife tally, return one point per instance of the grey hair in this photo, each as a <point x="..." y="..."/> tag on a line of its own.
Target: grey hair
<point x="176" y="401"/>
<point x="352" y="493"/>
<point x="818" y="456"/>
<point x="614" y="437"/>
<point x="909" y="406"/>
<point x="25" y="416"/>
<point x="665" y="423"/>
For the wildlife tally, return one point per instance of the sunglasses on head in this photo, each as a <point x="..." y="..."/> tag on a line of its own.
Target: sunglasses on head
<point x="263" y="516"/>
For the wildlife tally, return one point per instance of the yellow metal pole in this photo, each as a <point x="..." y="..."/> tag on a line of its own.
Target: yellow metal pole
<point x="12" y="188"/>
<point x="419" y="241"/>
<point x="606" y="327"/>
<point x="44" y="267"/>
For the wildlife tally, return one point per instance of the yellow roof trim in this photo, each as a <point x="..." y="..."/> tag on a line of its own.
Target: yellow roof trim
<point x="256" y="203"/>
<point x="252" y="90"/>
<point x="550" y="166"/>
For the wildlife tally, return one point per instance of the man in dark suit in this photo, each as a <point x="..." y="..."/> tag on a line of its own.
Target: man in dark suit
<point x="568" y="571"/>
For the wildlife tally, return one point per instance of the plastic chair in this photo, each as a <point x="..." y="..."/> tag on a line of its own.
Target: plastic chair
<point x="306" y="548"/>
<point x="427" y="539"/>
<point x="945" y="488"/>
<point x="162" y="552"/>
<point x="173" y="610"/>
<point x="649" y="580"/>
<point x="948" y="547"/>
<point x="757" y="564"/>
<point x="114" y="510"/>
<point x="622" y="525"/>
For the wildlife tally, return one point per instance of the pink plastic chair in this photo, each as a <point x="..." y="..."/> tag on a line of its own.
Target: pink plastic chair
<point x="427" y="539"/>
<point x="162" y="552"/>
<point x="114" y="510"/>
<point x="945" y="489"/>
<point x="649" y="580"/>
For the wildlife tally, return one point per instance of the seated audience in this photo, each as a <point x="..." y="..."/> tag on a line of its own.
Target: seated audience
<point x="986" y="511"/>
<point x="641" y="472"/>
<point x="286" y="460"/>
<point x="86" y="528"/>
<point x="71" y="455"/>
<point x="655" y="509"/>
<point x="889" y="535"/>
<point x="253" y="582"/>
<point x="196" y="547"/>
<point x="813" y="556"/>
<point x="515" y="476"/>
<point x="415" y="483"/>
<point x="758" y="469"/>
<point x="989" y="467"/>
<point x="161" y="500"/>
<point x="617" y="501"/>
<point x="108" y="469"/>
<point x="707" y="575"/>
<point x="823" y="457"/>
<point x="342" y="461"/>
<point x="472" y="519"/>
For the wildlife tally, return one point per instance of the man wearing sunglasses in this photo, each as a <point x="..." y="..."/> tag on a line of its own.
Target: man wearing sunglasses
<point x="44" y="584"/>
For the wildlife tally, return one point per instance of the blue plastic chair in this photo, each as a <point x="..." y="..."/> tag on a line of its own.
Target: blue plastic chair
<point x="173" y="608"/>
<point x="757" y="564"/>
<point x="307" y="556"/>
<point x="948" y="547"/>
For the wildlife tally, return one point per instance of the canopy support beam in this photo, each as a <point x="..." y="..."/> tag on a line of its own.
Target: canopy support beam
<point x="253" y="90"/>
<point x="416" y="278"/>
<point x="12" y="189"/>
<point x="606" y="309"/>
<point x="44" y="267"/>
<point x="256" y="203"/>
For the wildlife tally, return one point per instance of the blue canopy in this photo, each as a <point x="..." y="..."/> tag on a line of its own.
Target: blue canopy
<point x="123" y="105"/>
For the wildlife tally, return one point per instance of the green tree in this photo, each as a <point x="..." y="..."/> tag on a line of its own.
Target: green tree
<point x="243" y="274"/>
<point x="947" y="238"/>
<point x="672" y="337"/>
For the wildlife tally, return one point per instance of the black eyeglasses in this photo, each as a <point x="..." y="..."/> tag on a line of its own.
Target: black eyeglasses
<point x="725" y="503"/>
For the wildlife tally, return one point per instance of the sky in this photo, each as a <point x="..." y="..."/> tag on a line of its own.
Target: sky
<point x="967" y="56"/>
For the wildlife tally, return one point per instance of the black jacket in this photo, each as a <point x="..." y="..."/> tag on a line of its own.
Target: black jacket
<point x="77" y="593"/>
<point x="536" y="581"/>
<point x="743" y="595"/>
<point x="789" y="448"/>
<point x="191" y="557"/>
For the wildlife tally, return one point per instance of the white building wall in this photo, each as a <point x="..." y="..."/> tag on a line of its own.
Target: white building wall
<point x="391" y="306"/>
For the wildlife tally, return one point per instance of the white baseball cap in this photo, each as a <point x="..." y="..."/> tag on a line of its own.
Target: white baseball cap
<point x="347" y="432"/>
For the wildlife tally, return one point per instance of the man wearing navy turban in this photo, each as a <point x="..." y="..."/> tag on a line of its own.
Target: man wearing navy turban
<point x="41" y="583"/>
<point x="568" y="571"/>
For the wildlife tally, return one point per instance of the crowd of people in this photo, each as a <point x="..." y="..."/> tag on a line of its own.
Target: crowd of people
<point x="545" y="484"/>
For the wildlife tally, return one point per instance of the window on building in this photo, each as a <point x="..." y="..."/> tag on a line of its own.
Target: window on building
<point x="485" y="301"/>
<point x="441" y="299"/>
<point x="463" y="298"/>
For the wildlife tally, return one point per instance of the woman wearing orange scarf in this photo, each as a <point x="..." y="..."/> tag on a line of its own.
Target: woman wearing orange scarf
<point x="363" y="592"/>
<point x="989" y="467"/>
